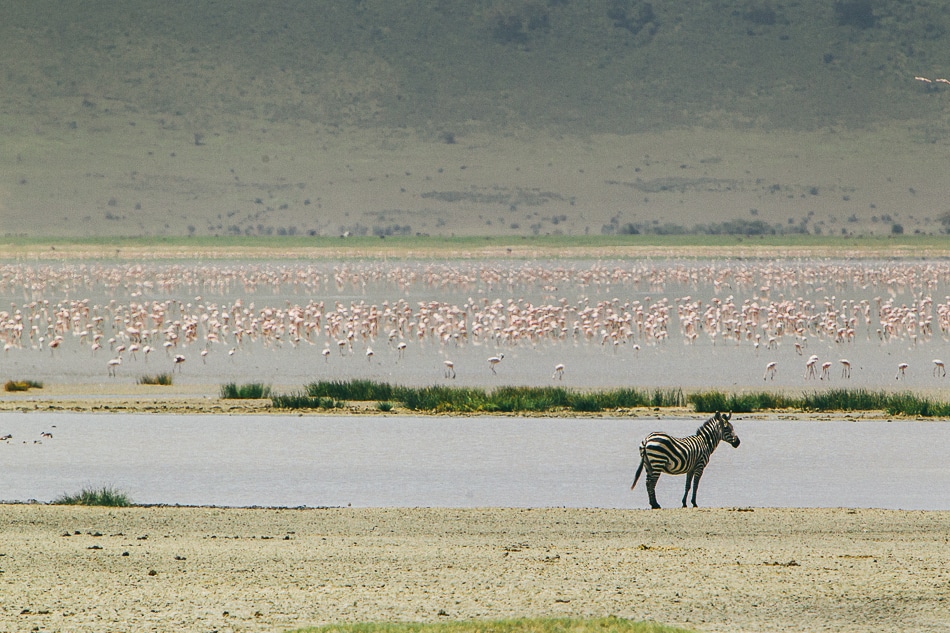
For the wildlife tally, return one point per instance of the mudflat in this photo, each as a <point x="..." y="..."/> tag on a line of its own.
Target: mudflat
<point x="229" y="569"/>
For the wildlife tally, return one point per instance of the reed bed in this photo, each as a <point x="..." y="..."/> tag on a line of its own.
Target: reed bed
<point x="446" y="399"/>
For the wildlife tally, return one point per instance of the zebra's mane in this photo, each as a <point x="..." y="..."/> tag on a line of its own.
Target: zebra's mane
<point x="711" y="428"/>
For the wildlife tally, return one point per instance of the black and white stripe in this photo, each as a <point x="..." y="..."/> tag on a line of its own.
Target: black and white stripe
<point x="662" y="453"/>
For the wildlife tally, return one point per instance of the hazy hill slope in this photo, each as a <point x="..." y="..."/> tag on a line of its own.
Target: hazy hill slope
<point x="103" y="82"/>
<point x="604" y="65"/>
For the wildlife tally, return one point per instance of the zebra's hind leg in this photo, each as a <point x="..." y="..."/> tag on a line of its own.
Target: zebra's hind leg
<point x="651" y="489"/>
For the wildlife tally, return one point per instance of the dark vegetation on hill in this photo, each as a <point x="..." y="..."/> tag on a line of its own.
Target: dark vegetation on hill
<point x="594" y="65"/>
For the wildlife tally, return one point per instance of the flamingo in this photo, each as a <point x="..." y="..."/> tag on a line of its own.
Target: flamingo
<point x="369" y="354"/>
<point x="826" y="370"/>
<point x="770" y="371"/>
<point x="494" y="360"/>
<point x="113" y="365"/>
<point x="559" y="371"/>
<point x="845" y="368"/>
<point x="326" y="354"/>
<point x="900" y="371"/>
<point x="449" y="368"/>
<point x="939" y="368"/>
<point x="179" y="361"/>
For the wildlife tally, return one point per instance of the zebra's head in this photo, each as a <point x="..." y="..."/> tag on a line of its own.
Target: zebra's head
<point x="725" y="426"/>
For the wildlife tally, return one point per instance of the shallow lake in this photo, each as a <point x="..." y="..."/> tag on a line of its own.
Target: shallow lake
<point x="693" y="324"/>
<point x="464" y="462"/>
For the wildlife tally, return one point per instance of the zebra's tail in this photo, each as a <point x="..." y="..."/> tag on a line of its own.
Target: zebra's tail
<point x="637" y="477"/>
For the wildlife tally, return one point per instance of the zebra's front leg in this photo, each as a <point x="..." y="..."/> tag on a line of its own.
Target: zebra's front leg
<point x="651" y="489"/>
<point x="699" y="473"/>
<point x="689" y="480"/>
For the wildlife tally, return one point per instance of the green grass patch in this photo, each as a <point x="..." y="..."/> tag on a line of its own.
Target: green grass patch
<point x="911" y="404"/>
<point x="356" y="390"/>
<point x="527" y="625"/>
<point x="445" y="399"/>
<point x="21" y="385"/>
<point x="900" y="403"/>
<point x="846" y="400"/>
<point x="164" y="379"/>
<point x="247" y="391"/>
<point x="104" y="496"/>
<point x="712" y="401"/>
<point x="299" y="400"/>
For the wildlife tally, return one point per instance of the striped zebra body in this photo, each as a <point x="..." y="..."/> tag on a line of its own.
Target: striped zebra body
<point x="662" y="453"/>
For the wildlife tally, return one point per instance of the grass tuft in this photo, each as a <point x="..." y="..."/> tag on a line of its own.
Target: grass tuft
<point x="21" y="385"/>
<point x="105" y="496"/>
<point x="249" y="391"/>
<point x="164" y="379"/>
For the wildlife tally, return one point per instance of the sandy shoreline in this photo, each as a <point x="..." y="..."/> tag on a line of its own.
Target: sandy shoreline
<point x="204" y="399"/>
<point x="202" y="569"/>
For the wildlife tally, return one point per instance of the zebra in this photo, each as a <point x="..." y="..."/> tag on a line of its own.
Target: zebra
<point x="662" y="453"/>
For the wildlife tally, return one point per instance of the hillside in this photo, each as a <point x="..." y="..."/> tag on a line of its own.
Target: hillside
<point x="493" y="116"/>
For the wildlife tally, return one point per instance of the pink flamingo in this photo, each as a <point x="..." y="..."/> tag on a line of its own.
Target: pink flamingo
<point x="770" y="370"/>
<point x="845" y="368"/>
<point x="939" y="369"/>
<point x="559" y="371"/>
<point x="900" y="371"/>
<point x="449" y="368"/>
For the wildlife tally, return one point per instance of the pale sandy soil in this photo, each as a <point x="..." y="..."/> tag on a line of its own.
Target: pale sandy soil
<point x="211" y="569"/>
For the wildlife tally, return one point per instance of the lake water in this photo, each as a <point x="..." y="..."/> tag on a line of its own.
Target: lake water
<point x="464" y="462"/>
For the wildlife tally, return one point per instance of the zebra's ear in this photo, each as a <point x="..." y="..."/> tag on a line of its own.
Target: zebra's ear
<point x="727" y="417"/>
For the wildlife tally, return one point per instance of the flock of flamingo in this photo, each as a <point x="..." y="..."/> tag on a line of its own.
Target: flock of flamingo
<point x="131" y="313"/>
